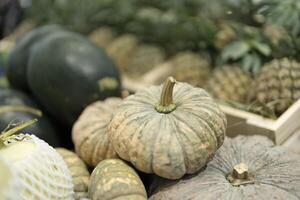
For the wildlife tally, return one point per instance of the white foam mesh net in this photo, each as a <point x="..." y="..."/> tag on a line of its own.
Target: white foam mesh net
<point x="44" y="174"/>
<point x="12" y="189"/>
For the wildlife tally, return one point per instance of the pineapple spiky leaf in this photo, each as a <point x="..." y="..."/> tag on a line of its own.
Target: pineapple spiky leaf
<point x="235" y="50"/>
<point x="283" y="13"/>
<point x="249" y="48"/>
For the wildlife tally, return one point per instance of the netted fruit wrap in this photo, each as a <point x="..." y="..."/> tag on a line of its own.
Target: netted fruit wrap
<point x="10" y="184"/>
<point x="42" y="171"/>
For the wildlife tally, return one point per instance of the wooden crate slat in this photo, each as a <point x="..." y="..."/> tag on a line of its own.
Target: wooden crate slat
<point x="239" y="121"/>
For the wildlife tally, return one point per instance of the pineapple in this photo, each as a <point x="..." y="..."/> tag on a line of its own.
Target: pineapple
<point x="229" y="83"/>
<point x="249" y="48"/>
<point x="283" y="43"/>
<point x="173" y="29"/>
<point x="224" y="36"/>
<point x="81" y="15"/>
<point x="191" y="68"/>
<point x="283" y="13"/>
<point x="278" y="85"/>
<point x="143" y="59"/>
<point x="120" y="49"/>
<point x="102" y="36"/>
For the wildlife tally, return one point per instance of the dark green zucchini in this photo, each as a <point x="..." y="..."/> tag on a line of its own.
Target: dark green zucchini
<point x="16" y="107"/>
<point x="18" y="58"/>
<point x="67" y="72"/>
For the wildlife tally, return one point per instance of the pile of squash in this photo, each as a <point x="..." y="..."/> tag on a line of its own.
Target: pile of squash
<point x="163" y="142"/>
<point x="176" y="132"/>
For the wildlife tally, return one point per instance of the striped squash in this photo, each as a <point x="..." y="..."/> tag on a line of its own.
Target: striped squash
<point x="169" y="133"/>
<point x="79" y="172"/>
<point x="113" y="179"/>
<point x="245" y="168"/>
<point x="89" y="133"/>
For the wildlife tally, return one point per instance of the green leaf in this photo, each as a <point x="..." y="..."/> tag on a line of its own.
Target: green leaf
<point x="256" y="64"/>
<point x="262" y="48"/>
<point x="235" y="50"/>
<point x="247" y="62"/>
<point x="252" y="63"/>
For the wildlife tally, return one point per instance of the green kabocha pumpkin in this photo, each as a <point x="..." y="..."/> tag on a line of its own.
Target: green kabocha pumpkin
<point x="113" y="179"/>
<point x="67" y="72"/>
<point x="244" y="168"/>
<point x="20" y="54"/>
<point x="79" y="172"/>
<point x="89" y="132"/>
<point x="9" y="182"/>
<point x="41" y="170"/>
<point x="169" y="133"/>
<point x="16" y="106"/>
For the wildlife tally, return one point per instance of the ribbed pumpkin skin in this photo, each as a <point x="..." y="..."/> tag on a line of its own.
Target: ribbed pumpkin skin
<point x="275" y="174"/>
<point x="80" y="174"/>
<point x="113" y="179"/>
<point x="89" y="132"/>
<point x="278" y="81"/>
<point x="169" y="145"/>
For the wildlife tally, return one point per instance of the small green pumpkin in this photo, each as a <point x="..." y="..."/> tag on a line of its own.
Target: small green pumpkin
<point x="170" y="134"/>
<point x="113" y="179"/>
<point x="244" y="168"/>
<point x="89" y="132"/>
<point x="79" y="172"/>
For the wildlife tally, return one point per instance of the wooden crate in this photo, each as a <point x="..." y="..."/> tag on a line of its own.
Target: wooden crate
<point x="239" y="121"/>
<point x="292" y="143"/>
<point x="242" y="122"/>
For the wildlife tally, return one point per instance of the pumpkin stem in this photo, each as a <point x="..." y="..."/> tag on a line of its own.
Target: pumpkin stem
<point x="240" y="171"/>
<point x="239" y="175"/>
<point x="166" y="104"/>
<point x="6" y="134"/>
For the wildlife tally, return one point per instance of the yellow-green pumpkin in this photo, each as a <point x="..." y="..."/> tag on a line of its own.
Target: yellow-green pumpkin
<point x="89" y="132"/>
<point x="79" y="172"/>
<point x="169" y="130"/>
<point x="113" y="179"/>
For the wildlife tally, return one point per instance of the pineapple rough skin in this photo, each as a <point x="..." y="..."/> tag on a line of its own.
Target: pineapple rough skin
<point x="229" y="83"/>
<point x="191" y="68"/>
<point x="278" y="84"/>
